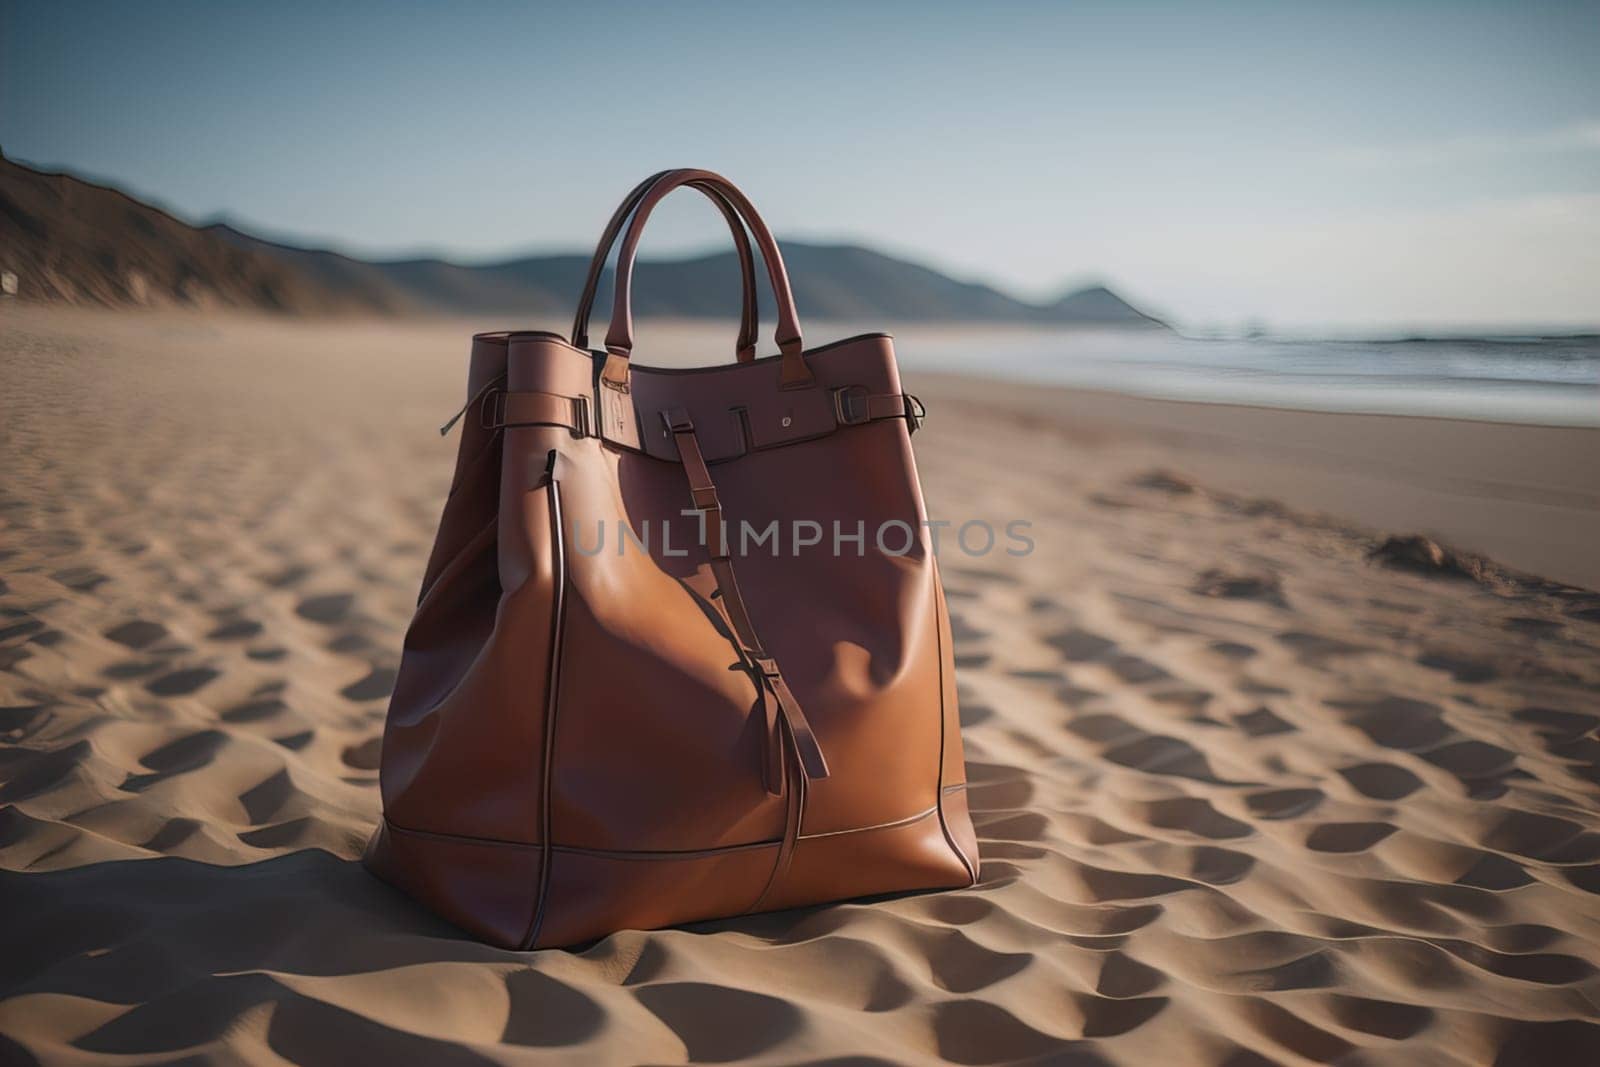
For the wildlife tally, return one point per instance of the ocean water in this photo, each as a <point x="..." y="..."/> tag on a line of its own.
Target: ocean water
<point x="1540" y="380"/>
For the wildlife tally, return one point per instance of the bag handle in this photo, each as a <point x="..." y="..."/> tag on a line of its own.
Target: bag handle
<point x="745" y="349"/>
<point x="794" y="373"/>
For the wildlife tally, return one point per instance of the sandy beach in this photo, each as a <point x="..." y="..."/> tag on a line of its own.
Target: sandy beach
<point x="1245" y="794"/>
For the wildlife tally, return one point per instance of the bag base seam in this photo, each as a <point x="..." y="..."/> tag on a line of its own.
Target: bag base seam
<point x="662" y="854"/>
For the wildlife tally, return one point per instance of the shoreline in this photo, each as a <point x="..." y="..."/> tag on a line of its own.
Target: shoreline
<point x="926" y="347"/>
<point x="1526" y="495"/>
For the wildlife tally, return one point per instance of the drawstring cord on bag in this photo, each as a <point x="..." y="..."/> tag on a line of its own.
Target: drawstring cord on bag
<point x="483" y="391"/>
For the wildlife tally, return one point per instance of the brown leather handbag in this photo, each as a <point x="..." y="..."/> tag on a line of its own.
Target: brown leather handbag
<point x="681" y="650"/>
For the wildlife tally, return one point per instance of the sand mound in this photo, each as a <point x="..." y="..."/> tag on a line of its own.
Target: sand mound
<point x="1422" y="555"/>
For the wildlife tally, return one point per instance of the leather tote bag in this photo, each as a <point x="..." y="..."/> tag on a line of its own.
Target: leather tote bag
<point x="681" y="650"/>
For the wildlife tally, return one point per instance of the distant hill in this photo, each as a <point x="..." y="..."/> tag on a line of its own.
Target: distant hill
<point x="68" y="241"/>
<point x="71" y="241"/>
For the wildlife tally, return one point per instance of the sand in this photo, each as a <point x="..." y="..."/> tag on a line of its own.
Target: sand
<point x="1244" y="796"/>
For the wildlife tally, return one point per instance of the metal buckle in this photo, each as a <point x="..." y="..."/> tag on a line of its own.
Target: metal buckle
<point x="850" y="405"/>
<point x="492" y="413"/>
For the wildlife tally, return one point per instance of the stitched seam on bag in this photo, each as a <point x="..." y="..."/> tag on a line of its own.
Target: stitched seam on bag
<point x="558" y="554"/>
<point x="938" y="629"/>
<point x="646" y="854"/>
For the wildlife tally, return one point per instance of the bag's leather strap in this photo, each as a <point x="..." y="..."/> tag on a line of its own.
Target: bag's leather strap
<point x="789" y="738"/>
<point x="792" y="756"/>
<point x="749" y="320"/>
<point x="852" y="407"/>
<point x="502" y="409"/>
<point x="793" y="372"/>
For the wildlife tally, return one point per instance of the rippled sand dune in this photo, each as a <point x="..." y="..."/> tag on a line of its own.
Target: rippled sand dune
<point x="1244" y="796"/>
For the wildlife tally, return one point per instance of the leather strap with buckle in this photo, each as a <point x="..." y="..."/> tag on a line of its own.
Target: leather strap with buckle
<point x="854" y="406"/>
<point x="503" y="409"/>
<point x="792" y="755"/>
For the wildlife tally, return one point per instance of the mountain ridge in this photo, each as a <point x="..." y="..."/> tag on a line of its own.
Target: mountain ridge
<point x="81" y="242"/>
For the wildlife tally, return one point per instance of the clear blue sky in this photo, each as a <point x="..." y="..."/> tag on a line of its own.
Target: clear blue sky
<point x="1349" y="165"/>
